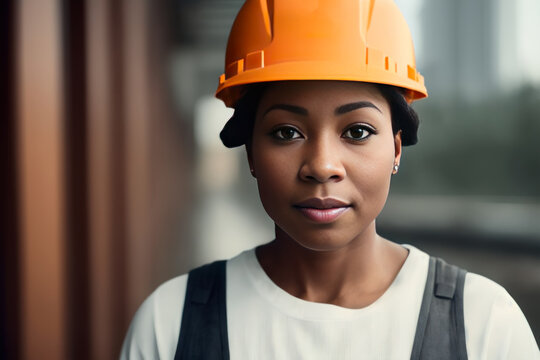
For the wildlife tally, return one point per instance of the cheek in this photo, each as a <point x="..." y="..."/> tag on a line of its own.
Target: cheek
<point x="275" y="172"/>
<point x="373" y="172"/>
<point x="276" y="175"/>
<point x="370" y="172"/>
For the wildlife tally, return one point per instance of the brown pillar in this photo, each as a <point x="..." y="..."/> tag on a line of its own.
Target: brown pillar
<point x="40" y="170"/>
<point x="95" y="174"/>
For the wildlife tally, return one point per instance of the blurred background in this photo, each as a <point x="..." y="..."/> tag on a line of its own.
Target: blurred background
<point x="114" y="179"/>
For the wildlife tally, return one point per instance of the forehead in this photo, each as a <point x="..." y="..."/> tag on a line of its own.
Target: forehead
<point x="321" y="94"/>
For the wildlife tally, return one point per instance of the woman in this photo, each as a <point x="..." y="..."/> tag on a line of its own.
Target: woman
<point x="321" y="91"/>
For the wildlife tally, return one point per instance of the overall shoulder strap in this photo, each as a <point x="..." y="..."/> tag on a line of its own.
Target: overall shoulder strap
<point x="203" y="333"/>
<point x="440" y="332"/>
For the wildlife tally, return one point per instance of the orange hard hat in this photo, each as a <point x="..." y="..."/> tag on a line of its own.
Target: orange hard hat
<point x="352" y="40"/>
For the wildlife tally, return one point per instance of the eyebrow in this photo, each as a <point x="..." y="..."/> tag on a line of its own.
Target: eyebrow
<point x="339" y="111"/>
<point x="354" y="106"/>
<point x="292" y="108"/>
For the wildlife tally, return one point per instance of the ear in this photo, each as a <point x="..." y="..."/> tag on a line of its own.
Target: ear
<point x="397" y="148"/>
<point x="250" y="160"/>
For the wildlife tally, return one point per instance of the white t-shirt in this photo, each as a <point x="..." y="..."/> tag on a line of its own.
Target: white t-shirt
<point x="265" y="322"/>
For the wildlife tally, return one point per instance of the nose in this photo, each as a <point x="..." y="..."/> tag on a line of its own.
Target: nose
<point x="322" y="162"/>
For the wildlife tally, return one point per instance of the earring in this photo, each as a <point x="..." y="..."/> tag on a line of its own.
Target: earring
<point x="396" y="168"/>
<point x="252" y="172"/>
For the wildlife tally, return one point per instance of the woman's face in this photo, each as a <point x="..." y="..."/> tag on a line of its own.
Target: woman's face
<point x="323" y="153"/>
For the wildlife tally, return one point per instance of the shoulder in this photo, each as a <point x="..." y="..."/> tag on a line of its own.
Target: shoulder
<point x="495" y="326"/>
<point x="154" y="330"/>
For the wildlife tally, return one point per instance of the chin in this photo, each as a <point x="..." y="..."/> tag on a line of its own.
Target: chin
<point x="323" y="240"/>
<point x="322" y="247"/>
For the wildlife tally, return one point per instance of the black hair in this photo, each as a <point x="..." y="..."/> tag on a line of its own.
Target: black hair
<point x="404" y="117"/>
<point x="239" y="129"/>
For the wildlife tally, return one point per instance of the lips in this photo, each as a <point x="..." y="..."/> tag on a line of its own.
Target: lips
<point x="322" y="210"/>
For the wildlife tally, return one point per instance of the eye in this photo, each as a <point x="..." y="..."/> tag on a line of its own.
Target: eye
<point x="286" y="133"/>
<point x="358" y="132"/>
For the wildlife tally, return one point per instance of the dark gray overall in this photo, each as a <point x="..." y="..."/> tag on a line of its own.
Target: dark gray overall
<point x="440" y="332"/>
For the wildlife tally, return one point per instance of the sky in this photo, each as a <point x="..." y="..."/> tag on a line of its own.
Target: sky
<point x="528" y="35"/>
<point x="518" y="68"/>
<point x="411" y="11"/>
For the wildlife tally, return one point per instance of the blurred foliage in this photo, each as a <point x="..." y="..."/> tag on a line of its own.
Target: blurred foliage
<point x="484" y="148"/>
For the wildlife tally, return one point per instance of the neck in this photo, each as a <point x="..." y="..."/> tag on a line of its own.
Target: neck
<point x="353" y="276"/>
